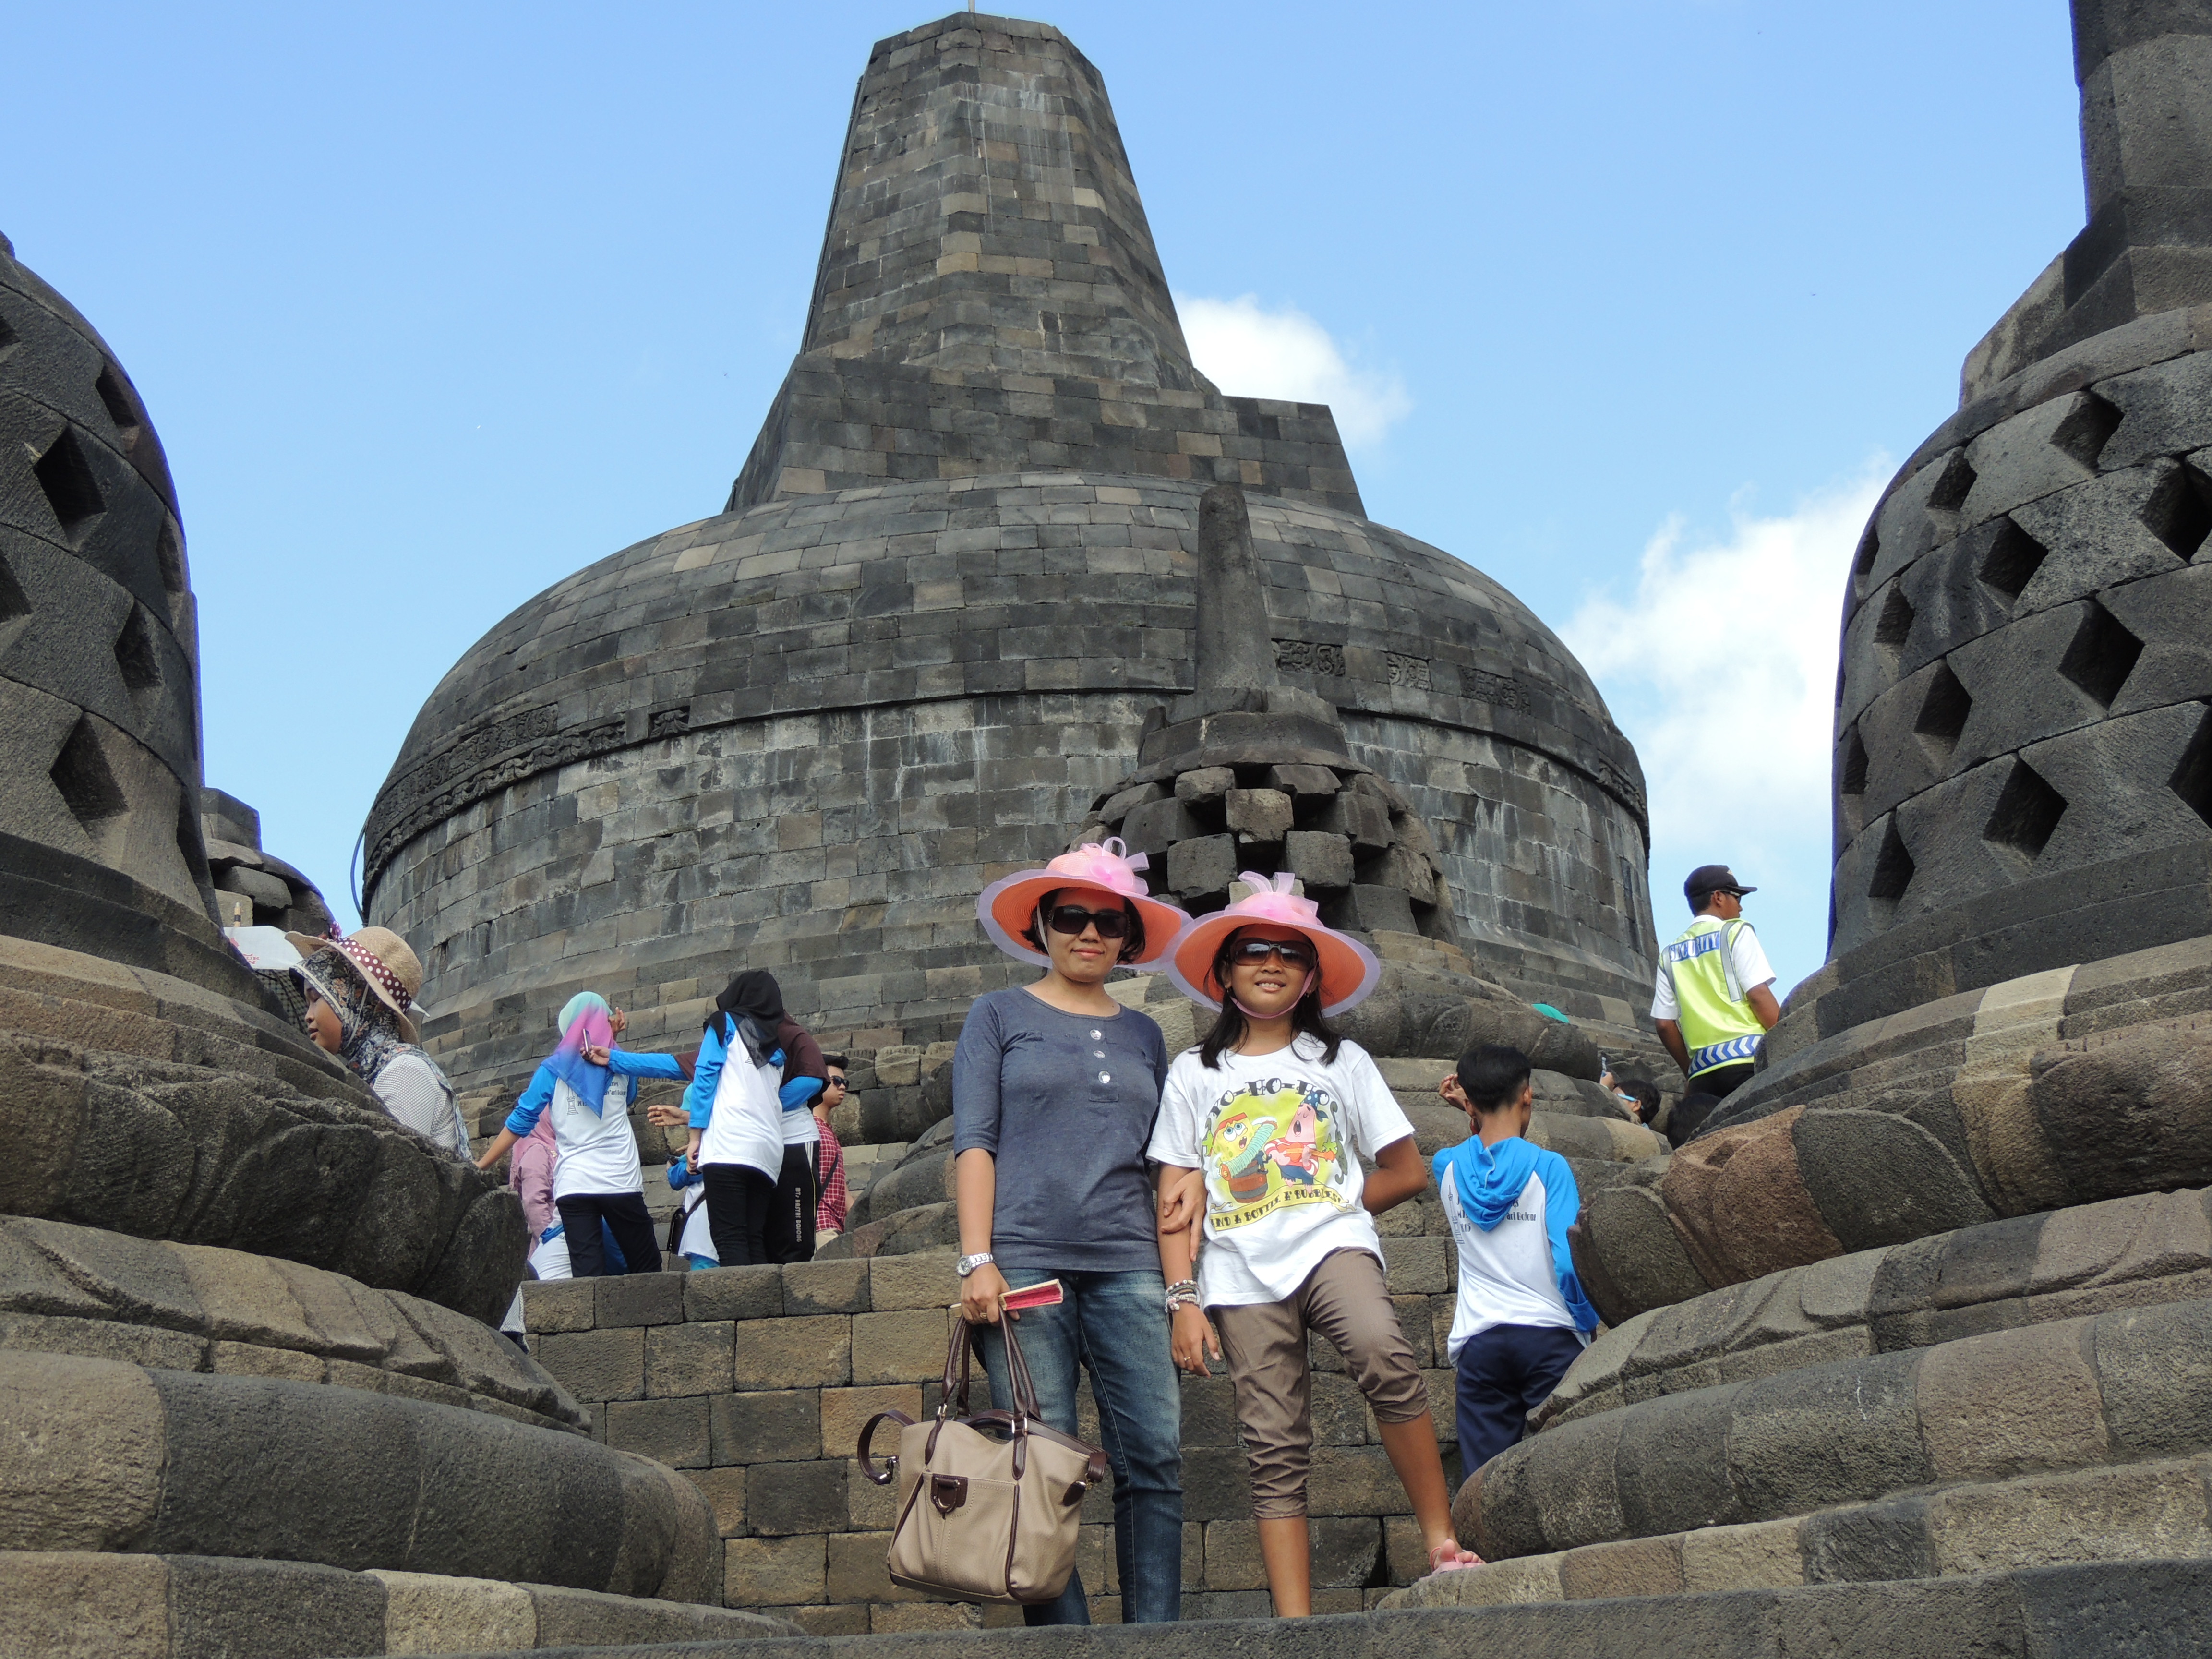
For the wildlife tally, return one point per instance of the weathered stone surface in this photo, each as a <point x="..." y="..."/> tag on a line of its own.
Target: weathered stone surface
<point x="762" y="1572"/>
<point x="743" y="1293"/>
<point x="424" y="1613"/>
<point x="161" y="1150"/>
<point x="795" y="1353"/>
<point x="1262" y="814"/>
<point x="86" y="1604"/>
<point x="1210" y="783"/>
<point x="688" y="1359"/>
<point x="670" y="1431"/>
<point x="108" y="1455"/>
<point x="1201" y="866"/>
<point x="81" y="1463"/>
<point x="2011" y="1402"/>
<point x="767" y="1427"/>
<point x="1738" y="1198"/>
<point x="2134" y="1109"/>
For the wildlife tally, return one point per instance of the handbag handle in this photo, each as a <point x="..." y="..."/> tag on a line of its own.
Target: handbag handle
<point x="1024" y="1386"/>
<point x="952" y="1393"/>
<point x="868" y="1433"/>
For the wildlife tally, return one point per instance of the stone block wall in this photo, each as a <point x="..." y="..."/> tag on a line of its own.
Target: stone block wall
<point x="865" y="709"/>
<point x="755" y="1382"/>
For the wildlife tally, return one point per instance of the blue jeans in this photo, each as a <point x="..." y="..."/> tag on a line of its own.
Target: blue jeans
<point x="1115" y="1327"/>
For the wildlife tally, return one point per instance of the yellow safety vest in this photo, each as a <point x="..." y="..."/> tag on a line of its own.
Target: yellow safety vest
<point x="1718" y="1025"/>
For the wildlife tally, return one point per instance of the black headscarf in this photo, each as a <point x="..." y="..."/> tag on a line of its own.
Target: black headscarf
<point x="754" y="992"/>
<point x="752" y="1005"/>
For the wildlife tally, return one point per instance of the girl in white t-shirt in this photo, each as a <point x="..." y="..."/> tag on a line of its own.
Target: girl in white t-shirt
<point x="1262" y="1127"/>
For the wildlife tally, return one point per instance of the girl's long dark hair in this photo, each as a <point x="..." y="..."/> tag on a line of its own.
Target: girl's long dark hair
<point x="1229" y="1023"/>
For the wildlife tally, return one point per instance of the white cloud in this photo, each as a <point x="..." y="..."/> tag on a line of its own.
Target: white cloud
<point x="1250" y="351"/>
<point x="1722" y="671"/>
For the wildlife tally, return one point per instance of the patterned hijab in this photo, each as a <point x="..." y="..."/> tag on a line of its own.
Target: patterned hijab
<point x="586" y="1022"/>
<point x="368" y="1031"/>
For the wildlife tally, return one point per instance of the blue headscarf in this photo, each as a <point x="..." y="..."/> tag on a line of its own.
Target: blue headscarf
<point x="586" y="1022"/>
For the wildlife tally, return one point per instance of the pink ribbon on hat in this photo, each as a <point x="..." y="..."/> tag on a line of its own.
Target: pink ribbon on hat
<point x="1106" y="864"/>
<point x="1272" y="900"/>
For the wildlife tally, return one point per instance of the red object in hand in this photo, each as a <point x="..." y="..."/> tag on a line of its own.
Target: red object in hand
<point x="1047" y="1295"/>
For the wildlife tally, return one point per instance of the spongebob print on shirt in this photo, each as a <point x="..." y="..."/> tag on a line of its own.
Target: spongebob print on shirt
<point x="1269" y="1144"/>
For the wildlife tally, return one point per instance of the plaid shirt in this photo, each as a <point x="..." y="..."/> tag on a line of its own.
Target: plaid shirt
<point x="829" y="1215"/>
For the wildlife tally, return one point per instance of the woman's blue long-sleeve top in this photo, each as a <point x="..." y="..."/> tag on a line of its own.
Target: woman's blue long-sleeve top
<point x="706" y="1077"/>
<point x="539" y="1095"/>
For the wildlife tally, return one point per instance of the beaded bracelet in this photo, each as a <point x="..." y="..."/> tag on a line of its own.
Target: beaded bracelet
<point x="1183" y="1291"/>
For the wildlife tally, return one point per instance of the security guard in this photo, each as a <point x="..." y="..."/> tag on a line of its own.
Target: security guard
<point x="1715" y="999"/>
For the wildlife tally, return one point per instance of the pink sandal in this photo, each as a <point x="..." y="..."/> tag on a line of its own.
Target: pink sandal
<point x="1450" y="1558"/>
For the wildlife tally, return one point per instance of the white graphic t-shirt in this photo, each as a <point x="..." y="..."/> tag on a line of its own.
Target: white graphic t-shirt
<point x="1276" y="1136"/>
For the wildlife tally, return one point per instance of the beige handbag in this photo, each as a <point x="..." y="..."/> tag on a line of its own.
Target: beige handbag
<point x="988" y="1504"/>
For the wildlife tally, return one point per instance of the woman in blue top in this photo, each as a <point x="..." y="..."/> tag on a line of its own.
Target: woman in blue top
<point x="1055" y="1086"/>
<point x="597" y="1180"/>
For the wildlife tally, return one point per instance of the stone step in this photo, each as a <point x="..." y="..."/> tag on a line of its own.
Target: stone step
<point x="189" y="1606"/>
<point x="128" y="1459"/>
<point x="67" y="1290"/>
<point x="47" y="991"/>
<point x="2138" y="1511"/>
<point x="2071" y="1263"/>
<point x="2070" y="1394"/>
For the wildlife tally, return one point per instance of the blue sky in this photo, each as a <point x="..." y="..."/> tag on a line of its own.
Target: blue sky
<point x="1635" y="302"/>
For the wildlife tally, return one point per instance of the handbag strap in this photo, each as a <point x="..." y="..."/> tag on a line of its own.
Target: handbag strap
<point x="1024" y="1386"/>
<point x="882" y="1478"/>
<point x="952" y="1393"/>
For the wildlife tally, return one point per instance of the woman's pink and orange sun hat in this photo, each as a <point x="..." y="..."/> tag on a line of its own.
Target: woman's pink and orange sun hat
<point x="1349" y="971"/>
<point x="1008" y="907"/>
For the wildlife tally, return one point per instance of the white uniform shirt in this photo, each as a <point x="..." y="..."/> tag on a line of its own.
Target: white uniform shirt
<point x="598" y="1152"/>
<point x="746" y="1125"/>
<point x="1506" y="1275"/>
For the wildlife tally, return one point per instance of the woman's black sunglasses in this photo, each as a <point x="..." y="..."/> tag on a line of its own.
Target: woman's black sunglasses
<point x="1254" y="951"/>
<point x="1073" y="919"/>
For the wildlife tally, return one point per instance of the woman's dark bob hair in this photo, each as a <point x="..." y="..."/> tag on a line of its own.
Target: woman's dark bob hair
<point x="1229" y="1024"/>
<point x="1132" y="947"/>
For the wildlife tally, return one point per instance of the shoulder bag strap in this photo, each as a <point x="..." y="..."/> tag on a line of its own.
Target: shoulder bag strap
<point x="881" y="1477"/>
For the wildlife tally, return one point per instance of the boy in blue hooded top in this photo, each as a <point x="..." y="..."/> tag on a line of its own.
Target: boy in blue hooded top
<point x="1522" y="1317"/>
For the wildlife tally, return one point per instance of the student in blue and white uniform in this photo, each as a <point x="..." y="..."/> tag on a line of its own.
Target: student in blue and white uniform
<point x="597" y="1180"/>
<point x="1522" y="1318"/>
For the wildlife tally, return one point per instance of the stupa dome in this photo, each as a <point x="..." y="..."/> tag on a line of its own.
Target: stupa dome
<point x="951" y="591"/>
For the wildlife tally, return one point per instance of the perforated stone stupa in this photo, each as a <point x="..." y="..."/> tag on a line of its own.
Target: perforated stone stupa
<point x="951" y="587"/>
<point x="249" y="1399"/>
<point x="1928" y="1302"/>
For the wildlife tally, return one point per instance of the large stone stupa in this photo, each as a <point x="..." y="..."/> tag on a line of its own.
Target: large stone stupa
<point x="945" y="605"/>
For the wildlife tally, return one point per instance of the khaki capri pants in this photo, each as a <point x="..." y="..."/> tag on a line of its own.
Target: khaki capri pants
<point x="1343" y="1298"/>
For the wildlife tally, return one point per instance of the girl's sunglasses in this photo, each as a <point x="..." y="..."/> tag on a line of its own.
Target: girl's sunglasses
<point x="1251" y="952"/>
<point x="1073" y="919"/>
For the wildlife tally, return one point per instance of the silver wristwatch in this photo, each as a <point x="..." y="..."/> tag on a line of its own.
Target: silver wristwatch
<point x="968" y="1264"/>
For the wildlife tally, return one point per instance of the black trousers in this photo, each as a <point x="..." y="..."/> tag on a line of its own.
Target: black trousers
<point x="739" y="1200"/>
<point x="1719" y="1082"/>
<point x="798" y="1192"/>
<point x="1723" y="1080"/>
<point x="626" y="1217"/>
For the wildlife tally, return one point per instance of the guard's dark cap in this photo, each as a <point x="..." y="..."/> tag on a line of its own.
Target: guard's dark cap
<point x="1714" y="878"/>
